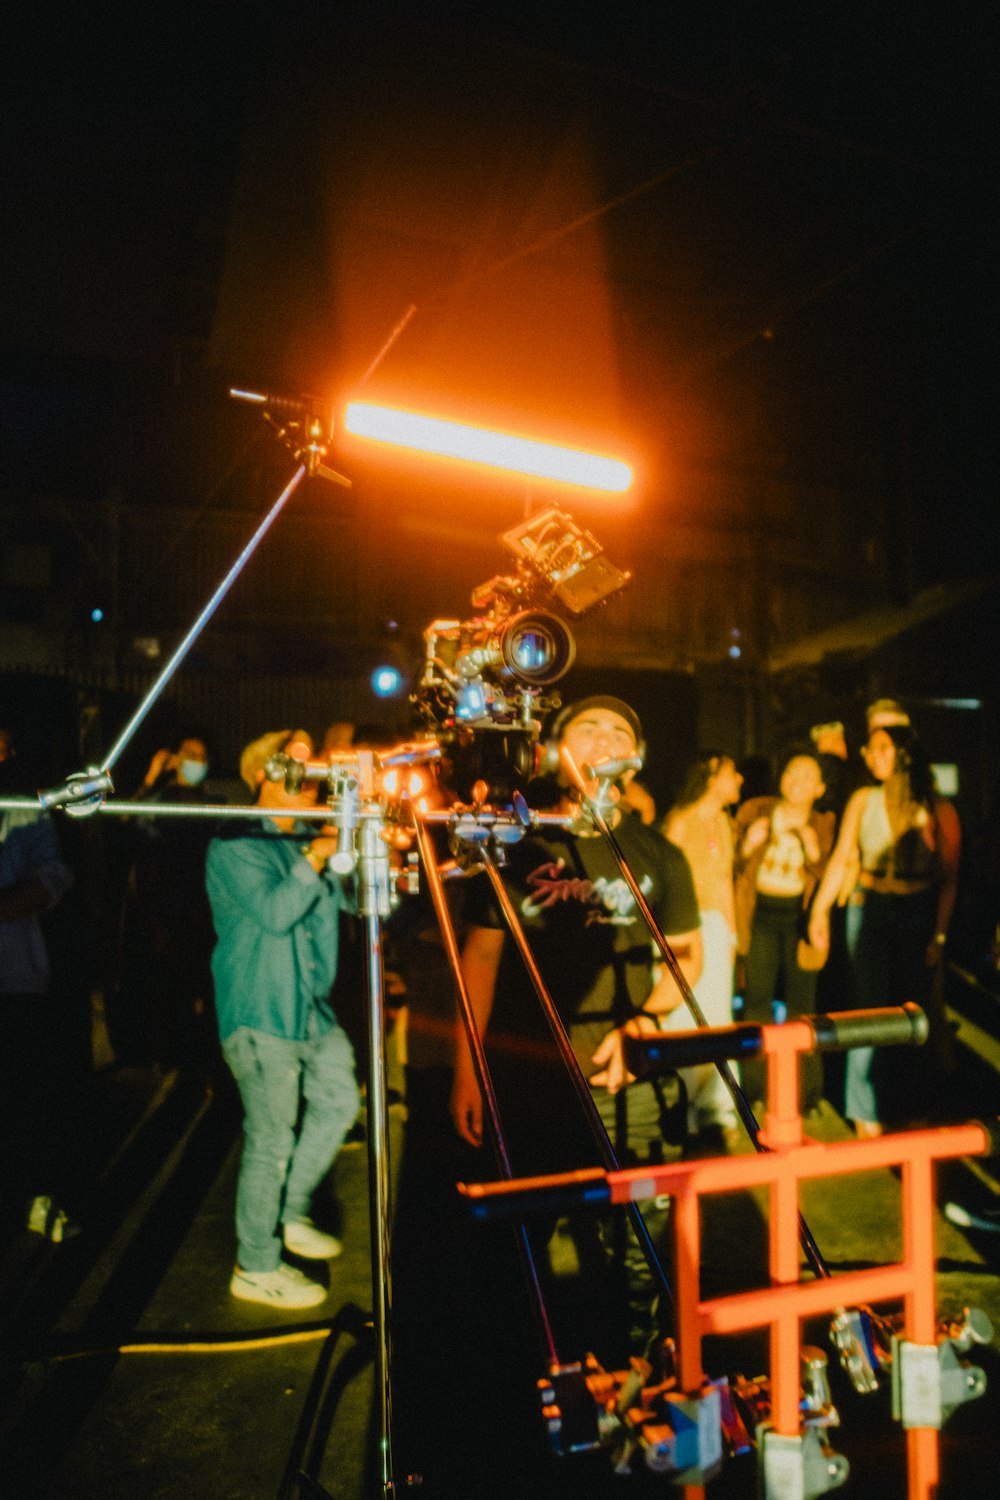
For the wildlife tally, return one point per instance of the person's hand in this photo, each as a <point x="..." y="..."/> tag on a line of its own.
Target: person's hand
<point x="320" y="849"/>
<point x="819" y="930"/>
<point x="756" y="834"/>
<point x="639" y="800"/>
<point x="610" y="1055"/>
<point x="163" y="761"/>
<point x="810" y="843"/>
<point x="467" y="1107"/>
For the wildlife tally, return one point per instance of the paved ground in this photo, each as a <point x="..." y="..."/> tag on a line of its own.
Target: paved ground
<point x="130" y="1371"/>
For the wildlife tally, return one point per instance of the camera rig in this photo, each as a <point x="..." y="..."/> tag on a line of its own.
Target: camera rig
<point x="484" y="687"/>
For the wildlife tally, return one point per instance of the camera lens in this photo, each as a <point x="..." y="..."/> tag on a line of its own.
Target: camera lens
<point x="536" y="647"/>
<point x="531" y="651"/>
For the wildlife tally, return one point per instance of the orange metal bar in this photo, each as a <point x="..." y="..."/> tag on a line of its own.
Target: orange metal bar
<point x="783" y="1132"/>
<point x="782" y="1044"/>
<point x="922" y="1451"/>
<point x="746" y="1310"/>
<point x="922" y="1463"/>
<point x="687" y="1268"/>
<point x="788" y="1300"/>
<point x="789" y="1160"/>
<point x="814" y="1159"/>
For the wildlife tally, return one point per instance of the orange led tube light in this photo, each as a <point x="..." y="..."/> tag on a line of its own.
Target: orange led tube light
<point x="481" y="445"/>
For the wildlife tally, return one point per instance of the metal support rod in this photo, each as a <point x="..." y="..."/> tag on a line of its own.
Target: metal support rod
<point x="202" y="620"/>
<point x="217" y="811"/>
<point x="740" y="1100"/>
<point x="447" y="929"/>
<point x="378" y="1201"/>
<point x="580" y="1084"/>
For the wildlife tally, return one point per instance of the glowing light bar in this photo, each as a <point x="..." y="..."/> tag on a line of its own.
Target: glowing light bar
<point x="481" y="445"/>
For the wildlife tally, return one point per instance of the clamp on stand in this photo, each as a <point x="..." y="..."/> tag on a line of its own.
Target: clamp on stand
<point x="929" y="1381"/>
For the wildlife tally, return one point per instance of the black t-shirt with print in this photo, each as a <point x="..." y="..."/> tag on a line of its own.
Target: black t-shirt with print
<point x="589" y="939"/>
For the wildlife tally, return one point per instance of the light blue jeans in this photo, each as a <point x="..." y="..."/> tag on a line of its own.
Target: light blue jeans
<point x="283" y="1160"/>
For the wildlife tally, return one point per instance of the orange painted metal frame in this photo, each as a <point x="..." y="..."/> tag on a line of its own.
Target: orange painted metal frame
<point x="781" y="1307"/>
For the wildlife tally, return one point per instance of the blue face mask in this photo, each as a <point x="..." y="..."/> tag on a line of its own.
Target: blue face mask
<point x="193" y="772"/>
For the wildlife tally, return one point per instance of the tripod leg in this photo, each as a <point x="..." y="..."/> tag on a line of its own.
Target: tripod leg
<point x="580" y="1084"/>
<point x="436" y="888"/>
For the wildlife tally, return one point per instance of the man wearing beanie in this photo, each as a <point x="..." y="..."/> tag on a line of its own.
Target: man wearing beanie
<point x="275" y="908"/>
<point x="596" y="956"/>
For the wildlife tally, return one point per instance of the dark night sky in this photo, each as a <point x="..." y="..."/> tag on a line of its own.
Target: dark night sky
<point x="814" y="242"/>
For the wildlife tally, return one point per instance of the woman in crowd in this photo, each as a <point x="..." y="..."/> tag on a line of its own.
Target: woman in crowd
<point x="904" y="842"/>
<point x="782" y="846"/>
<point x="700" y="826"/>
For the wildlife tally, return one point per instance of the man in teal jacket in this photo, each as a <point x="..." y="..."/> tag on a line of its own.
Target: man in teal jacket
<point x="275" y="908"/>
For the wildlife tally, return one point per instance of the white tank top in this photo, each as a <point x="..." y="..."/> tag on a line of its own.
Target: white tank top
<point x="874" y="831"/>
<point x="781" y="871"/>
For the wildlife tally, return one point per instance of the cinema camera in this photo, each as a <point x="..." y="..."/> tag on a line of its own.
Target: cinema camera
<point x="485" y="683"/>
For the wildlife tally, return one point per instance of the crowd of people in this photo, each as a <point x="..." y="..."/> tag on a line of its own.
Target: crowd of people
<point x="831" y="891"/>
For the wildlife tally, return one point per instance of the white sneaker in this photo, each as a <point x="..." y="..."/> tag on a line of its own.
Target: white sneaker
<point x="285" y="1287"/>
<point x="303" y="1238"/>
<point x="989" y="1221"/>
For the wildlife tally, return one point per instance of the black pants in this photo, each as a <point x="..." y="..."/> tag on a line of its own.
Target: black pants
<point x="772" y="973"/>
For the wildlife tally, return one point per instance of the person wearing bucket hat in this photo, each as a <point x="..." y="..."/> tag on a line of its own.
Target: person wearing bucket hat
<point x="596" y="956"/>
<point x="276" y="911"/>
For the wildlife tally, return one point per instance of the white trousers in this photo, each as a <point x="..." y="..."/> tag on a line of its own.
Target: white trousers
<point x="708" y="1098"/>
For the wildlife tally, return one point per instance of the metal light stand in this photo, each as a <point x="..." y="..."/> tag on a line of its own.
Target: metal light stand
<point x="358" y="808"/>
<point x="361" y="806"/>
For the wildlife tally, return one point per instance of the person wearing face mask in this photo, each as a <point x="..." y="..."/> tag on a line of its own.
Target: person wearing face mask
<point x="187" y="766"/>
<point x="161" y="1009"/>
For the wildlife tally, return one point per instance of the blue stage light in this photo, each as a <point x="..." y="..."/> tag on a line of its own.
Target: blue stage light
<point x="386" y="681"/>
